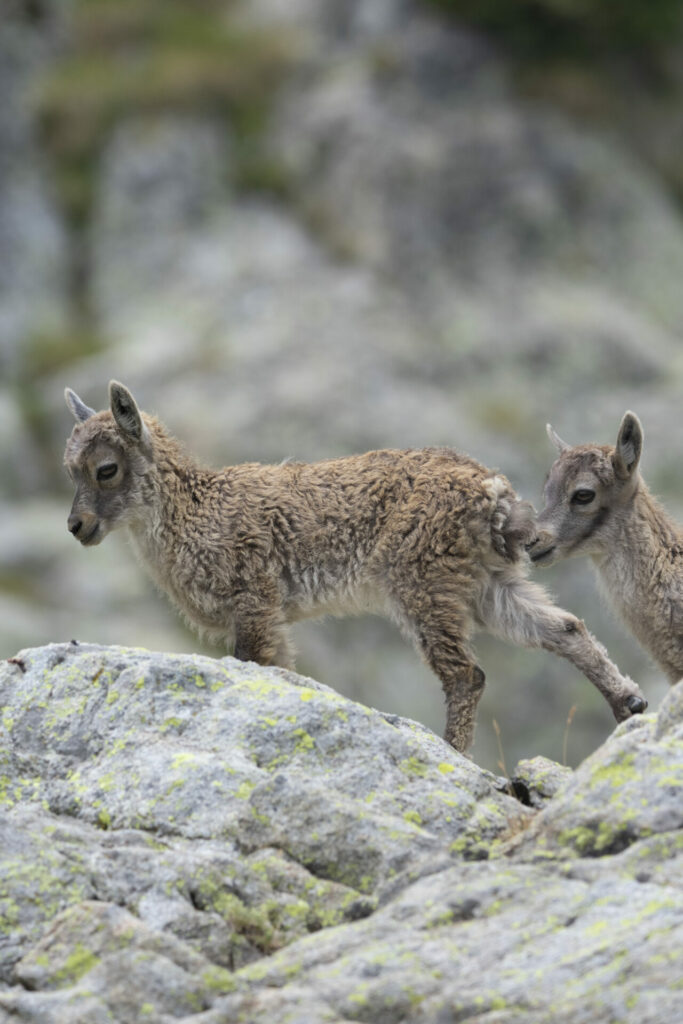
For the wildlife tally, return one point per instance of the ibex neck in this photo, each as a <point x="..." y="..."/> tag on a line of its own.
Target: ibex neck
<point x="641" y="535"/>
<point x="173" y="489"/>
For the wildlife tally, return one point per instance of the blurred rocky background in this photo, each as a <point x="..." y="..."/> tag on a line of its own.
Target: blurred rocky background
<point x="303" y="228"/>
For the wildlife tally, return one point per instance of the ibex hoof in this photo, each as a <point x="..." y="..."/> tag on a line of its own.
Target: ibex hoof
<point x="636" y="705"/>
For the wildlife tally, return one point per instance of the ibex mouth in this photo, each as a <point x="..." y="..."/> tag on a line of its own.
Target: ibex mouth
<point x="93" y="537"/>
<point x="544" y="556"/>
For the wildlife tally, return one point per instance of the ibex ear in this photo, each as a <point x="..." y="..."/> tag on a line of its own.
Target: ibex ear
<point x="556" y="439"/>
<point x="125" y="411"/>
<point x="79" y="409"/>
<point x="629" y="446"/>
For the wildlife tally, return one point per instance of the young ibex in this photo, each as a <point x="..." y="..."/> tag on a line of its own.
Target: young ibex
<point x="428" y="538"/>
<point x="597" y="504"/>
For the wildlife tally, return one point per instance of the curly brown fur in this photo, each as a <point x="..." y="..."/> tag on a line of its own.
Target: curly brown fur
<point x="428" y="538"/>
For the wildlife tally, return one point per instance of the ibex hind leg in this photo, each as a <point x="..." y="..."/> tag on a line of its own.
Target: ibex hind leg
<point x="463" y="686"/>
<point x="265" y="642"/>
<point x="521" y="611"/>
<point x="441" y="638"/>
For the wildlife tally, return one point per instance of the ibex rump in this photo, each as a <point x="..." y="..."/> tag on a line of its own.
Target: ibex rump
<point x="429" y="538"/>
<point x="597" y="504"/>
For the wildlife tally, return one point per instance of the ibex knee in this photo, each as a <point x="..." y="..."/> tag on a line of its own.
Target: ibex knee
<point x="563" y="633"/>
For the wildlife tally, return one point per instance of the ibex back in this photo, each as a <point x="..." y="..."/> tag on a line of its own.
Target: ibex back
<point x="597" y="504"/>
<point x="429" y="538"/>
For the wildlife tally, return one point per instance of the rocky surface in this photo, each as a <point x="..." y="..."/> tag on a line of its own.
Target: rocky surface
<point x="213" y="842"/>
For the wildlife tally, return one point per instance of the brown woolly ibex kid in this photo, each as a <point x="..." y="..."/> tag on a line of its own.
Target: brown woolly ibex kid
<point x="428" y="538"/>
<point x="597" y="504"/>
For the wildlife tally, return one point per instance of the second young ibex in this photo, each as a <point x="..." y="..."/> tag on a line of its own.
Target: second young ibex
<point x="429" y="538"/>
<point x="597" y="504"/>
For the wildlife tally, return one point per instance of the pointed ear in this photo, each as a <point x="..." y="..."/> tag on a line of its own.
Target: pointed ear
<point x="125" y="411"/>
<point x="629" y="446"/>
<point x="556" y="439"/>
<point x="79" y="409"/>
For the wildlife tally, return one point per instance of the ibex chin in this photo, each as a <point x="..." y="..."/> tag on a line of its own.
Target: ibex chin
<point x="429" y="538"/>
<point x="597" y="504"/>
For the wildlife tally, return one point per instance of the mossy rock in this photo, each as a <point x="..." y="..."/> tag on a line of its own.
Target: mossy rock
<point x="275" y="852"/>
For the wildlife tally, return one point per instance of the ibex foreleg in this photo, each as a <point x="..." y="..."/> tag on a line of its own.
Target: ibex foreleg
<point x="522" y="611"/>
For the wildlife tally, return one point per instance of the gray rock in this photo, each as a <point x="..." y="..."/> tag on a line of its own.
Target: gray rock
<point x="628" y="790"/>
<point x="209" y="797"/>
<point x="161" y="177"/>
<point x="209" y="841"/>
<point x="421" y="161"/>
<point x="536" y="780"/>
<point x="33" y="242"/>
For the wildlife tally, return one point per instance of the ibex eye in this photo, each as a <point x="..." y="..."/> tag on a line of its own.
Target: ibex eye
<point x="583" y="496"/>
<point x="107" y="472"/>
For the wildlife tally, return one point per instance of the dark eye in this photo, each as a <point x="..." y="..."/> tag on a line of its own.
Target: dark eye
<point x="583" y="496"/>
<point x="107" y="472"/>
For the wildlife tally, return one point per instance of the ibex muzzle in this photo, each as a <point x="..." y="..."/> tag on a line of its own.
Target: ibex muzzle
<point x="85" y="527"/>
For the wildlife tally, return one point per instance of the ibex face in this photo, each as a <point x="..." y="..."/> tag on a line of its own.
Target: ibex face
<point x="105" y="459"/>
<point x="588" y="488"/>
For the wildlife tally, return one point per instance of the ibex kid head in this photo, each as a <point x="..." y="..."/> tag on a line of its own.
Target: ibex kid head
<point x="107" y="455"/>
<point x="587" y="488"/>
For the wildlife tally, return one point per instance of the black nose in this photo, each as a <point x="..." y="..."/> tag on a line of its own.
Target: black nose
<point x="74" y="524"/>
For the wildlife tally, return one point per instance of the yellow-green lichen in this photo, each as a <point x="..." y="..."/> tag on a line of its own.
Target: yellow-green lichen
<point x="617" y="774"/>
<point x="414" y="766"/>
<point x="597" y="928"/>
<point x="304" y="741"/>
<point x="262" y="819"/>
<point x="106" y="781"/>
<point x="12" y="791"/>
<point x="218" y="979"/>
<point x="601" y="838"/>
<point x="9" y="915"/>
<point x="77" y="963"/>
<point x="170" y="723"/>
<point x="104" y="819"/>
<point x="184" y="759"/>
